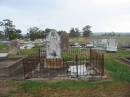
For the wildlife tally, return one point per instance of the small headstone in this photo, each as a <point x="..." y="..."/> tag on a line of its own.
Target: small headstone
<point x="111" y="45"/>
<point x="14" y="47"/>
<point x="64" y="41"/>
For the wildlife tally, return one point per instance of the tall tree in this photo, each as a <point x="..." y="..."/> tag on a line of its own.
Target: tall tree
<point x="0" y="35"/>
<point x="18" y="33"/>
<point x="87" y="31"/>
<point x="36" y="33"/>
<point x="61" y="31"/>
<point x="74" y="32"/>
<point x="47" y="30"/>
<point x="9" y="29"/>
<point x="33" y="33"/>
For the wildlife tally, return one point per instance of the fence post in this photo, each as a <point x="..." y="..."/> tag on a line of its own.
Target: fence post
<point x="90" y="55"/>
<point x="40" y="55"/>
<point x="76" y="60"/>
<point x="23" y="68"/>
<point x="102" y="65"/>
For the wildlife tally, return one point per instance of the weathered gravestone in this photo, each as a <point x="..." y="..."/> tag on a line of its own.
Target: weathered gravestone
<point x="53" y="45"/>
<point x="14" y="47"/>
<point x="111" y="45"/>
<point x="53" y="51"/>
<point x="64" y="41"/>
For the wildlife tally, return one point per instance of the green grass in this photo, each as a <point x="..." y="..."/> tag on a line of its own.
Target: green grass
<point x="120" y="53"/>
<point x="4" y="48"/>
<point x="71" y="54"/>
<point x="28" y="52"/>
<point x="118" y="71"/>
<point x="33" y="85"/>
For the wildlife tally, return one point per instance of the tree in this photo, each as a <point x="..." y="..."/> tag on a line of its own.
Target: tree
<point x="87" y="31"/>
<point x="41" y="34"/>
<point x="9" y="30"/>
<point x="61" y="32"/>
<point x="47" y="30"/>
<point x="18" y="33"/>
<point x="36" y="33"/>
<point x="74" y="32"/>
<point x="33" y="33"/>
<point x="0" y="34"/>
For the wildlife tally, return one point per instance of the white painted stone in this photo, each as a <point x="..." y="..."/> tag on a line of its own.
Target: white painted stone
<point x="81" y="70"/>
<point x="53" y="45"/>
<point x="111" y="45"/>
<point x="2" y="55"/>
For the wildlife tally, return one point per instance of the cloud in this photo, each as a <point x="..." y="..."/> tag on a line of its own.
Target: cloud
<point x="103" y="15"/>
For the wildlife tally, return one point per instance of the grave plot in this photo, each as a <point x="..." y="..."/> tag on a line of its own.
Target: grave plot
<point x="72" y="64"/>
<point x="125" y="60"/>
<point x="108" y="45"/>
<point x="11" y="68"/>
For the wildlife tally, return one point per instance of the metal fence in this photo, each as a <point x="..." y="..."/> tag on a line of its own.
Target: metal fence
<point x="75" y="63"/>
<point x="97" y="61"/>
<point x="29" y="65"/>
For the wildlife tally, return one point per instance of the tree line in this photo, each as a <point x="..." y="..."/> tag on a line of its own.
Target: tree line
<point x="10" y="32"/>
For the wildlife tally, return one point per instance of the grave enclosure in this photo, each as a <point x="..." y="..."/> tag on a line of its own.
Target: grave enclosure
<point x="82" y="64"/>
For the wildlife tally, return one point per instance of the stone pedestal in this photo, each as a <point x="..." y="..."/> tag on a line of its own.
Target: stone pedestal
<point x="54" y="64"/>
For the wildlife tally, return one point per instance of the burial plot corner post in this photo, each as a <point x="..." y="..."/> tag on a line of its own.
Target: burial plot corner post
<point x="90" y="55"/>
<point x="102" y="73"/>
<point x="76" y="60"/>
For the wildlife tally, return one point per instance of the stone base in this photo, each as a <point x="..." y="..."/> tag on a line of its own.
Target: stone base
<point x="54" y="64"/>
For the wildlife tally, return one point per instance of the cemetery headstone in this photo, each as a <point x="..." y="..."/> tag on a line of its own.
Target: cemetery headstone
<point x="14" y="47"/>
<point x="64" y="41"/>
<point x="53" y="51"/>
<point x="111" y="45"/>
<point x="53" y="45"/>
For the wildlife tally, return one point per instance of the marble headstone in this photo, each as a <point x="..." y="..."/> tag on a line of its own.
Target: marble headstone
<point x="53" y="45"/>
<point x="111" y="45"/>
<point x="14" y="47"/>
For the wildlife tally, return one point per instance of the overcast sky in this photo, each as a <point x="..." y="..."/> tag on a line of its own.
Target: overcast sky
<point x="102" y="15"/>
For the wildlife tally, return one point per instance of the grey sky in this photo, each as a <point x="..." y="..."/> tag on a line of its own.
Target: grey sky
<point x="102" y="15"/>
